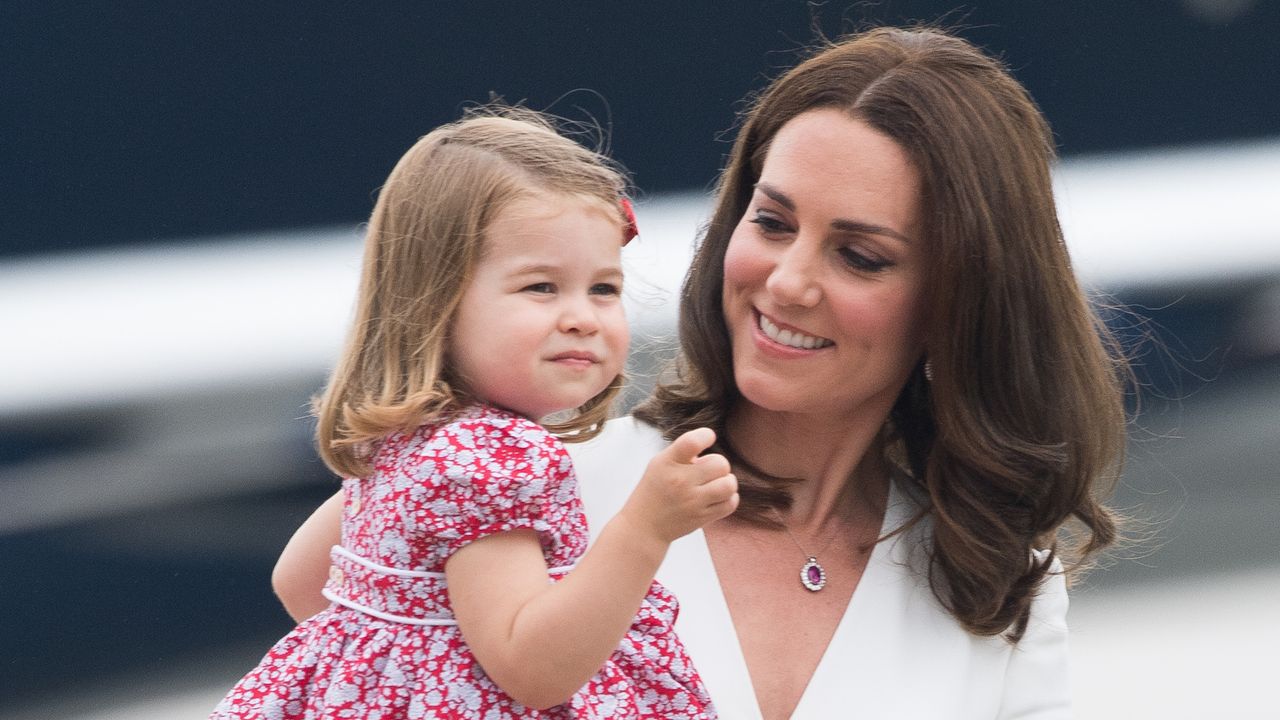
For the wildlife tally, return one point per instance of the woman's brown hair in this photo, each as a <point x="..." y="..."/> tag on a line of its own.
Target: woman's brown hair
<point x="1010" y="442"/>
<point x="421" y="247"/>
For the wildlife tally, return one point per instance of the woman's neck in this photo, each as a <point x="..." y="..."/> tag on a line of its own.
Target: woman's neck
<point x="839" y="461"/>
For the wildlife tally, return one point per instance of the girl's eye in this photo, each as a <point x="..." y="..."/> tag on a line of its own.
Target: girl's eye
<point x="543" y="287"/>
<point x="861" y="261"/>
<point x="768" y="223"/>
<point x="606" y="289"/>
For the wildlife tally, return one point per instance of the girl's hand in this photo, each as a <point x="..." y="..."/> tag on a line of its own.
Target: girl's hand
<point x="681" y="491"/>
<point x="539" y="641"/>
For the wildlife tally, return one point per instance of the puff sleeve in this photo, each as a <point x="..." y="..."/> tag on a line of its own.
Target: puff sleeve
<point x="496" y="474"/>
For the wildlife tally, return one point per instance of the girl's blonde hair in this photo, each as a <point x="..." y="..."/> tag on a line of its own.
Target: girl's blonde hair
<point x="423" y="241"/>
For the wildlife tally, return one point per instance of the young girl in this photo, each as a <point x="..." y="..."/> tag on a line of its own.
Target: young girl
<point x="490" y="299"/>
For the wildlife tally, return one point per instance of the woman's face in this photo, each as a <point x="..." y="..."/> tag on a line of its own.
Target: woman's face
<point x="823" y="274"/>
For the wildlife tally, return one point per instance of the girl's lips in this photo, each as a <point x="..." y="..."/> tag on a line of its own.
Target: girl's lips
<point x="576" y="359"/>
<point x="576" y="355"/>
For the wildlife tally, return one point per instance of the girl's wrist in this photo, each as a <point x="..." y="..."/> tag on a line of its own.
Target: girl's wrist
<point x="638" y="537"/>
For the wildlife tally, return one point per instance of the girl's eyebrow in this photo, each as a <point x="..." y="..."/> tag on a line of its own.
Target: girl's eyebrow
<point x="841" y="224"/>
<point x="533" y="269"/>
<point x="546" y="268"/>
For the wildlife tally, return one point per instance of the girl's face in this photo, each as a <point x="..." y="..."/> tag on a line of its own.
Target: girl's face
<point x="823" y="274"/>
<point x="541" y="327"/>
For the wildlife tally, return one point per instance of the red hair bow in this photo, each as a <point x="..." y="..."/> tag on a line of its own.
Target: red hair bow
<point x="629" y="230"/>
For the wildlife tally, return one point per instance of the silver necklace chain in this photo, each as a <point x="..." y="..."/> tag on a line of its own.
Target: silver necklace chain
<point x="787" y="530"/>
<point x="812" y="575"/>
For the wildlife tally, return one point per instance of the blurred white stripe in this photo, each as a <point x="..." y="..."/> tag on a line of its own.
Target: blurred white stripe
<point x="148" y="321"/>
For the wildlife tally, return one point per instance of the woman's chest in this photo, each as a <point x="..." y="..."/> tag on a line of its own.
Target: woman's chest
<point x="873" y="642"/>
<point x="783" y="628"/>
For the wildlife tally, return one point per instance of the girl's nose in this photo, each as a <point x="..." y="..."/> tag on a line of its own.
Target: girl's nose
<point x="794" y="278"/>
<point x="578" y="315"/>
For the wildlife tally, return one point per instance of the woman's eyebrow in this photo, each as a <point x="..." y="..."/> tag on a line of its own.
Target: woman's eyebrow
<point x="853" y="226"/>
<point x="776" y="195"/>
<point x="841" y="224"/>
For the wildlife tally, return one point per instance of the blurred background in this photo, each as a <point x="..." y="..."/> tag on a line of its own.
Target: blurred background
<point x="183" y="187"/>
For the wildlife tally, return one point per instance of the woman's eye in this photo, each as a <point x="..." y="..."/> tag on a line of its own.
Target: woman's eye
<point x="544" y="287"/>
<point x="861" y="261"/>
<point x="768" y="223"/>
<point x="606" y="289"/>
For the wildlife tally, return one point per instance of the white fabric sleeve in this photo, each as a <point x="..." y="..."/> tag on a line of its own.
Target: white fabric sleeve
<point x="1037" y="684"/>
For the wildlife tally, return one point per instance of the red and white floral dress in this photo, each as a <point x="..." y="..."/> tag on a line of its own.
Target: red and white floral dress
<point x="388" y="647"/>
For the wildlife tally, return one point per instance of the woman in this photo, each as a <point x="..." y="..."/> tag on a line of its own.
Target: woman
<point x="883" y="327"/>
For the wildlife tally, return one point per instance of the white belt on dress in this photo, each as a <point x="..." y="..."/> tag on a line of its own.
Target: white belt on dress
<point x="397" y="572"/>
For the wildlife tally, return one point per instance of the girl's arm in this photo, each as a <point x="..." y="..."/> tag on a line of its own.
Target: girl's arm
<point x="541" y="642"/>
<point x="303" y="567"/>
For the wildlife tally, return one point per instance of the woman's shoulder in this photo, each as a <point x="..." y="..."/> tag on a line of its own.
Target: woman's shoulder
<point x="609" y="465"/>
<point x="625" y="443"/>
<point x="908" y="530"/>
<point x="1049" y="606"/>
<point x="623" y="434"/>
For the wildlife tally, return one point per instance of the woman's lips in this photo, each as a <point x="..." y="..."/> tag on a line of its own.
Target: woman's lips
<point x="789" y="337"/>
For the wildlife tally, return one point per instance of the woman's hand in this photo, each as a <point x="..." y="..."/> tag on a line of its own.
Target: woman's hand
<point x="682" y="490"/>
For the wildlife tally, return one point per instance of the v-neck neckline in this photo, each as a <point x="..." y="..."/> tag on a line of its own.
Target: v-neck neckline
<point x="707" y="631"/>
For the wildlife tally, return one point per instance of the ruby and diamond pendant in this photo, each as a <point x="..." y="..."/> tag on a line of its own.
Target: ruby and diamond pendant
<point x="812" y="576"/>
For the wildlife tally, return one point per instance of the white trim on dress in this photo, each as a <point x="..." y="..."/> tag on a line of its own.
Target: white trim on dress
<point x="397" y="572"/>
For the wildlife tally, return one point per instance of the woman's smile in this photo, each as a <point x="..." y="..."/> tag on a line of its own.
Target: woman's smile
<point x="788" y="336"/>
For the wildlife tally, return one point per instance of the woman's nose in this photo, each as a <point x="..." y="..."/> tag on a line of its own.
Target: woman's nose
<point x="794" y="278"/>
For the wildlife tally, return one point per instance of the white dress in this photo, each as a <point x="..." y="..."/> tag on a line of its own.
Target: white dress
<point x="896" y="653"/>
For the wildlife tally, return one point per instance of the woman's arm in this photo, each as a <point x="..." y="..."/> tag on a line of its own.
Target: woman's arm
<point x="1037" y="682"/>
<point x="541" y="642"/>
<point x="303" y="567"/>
